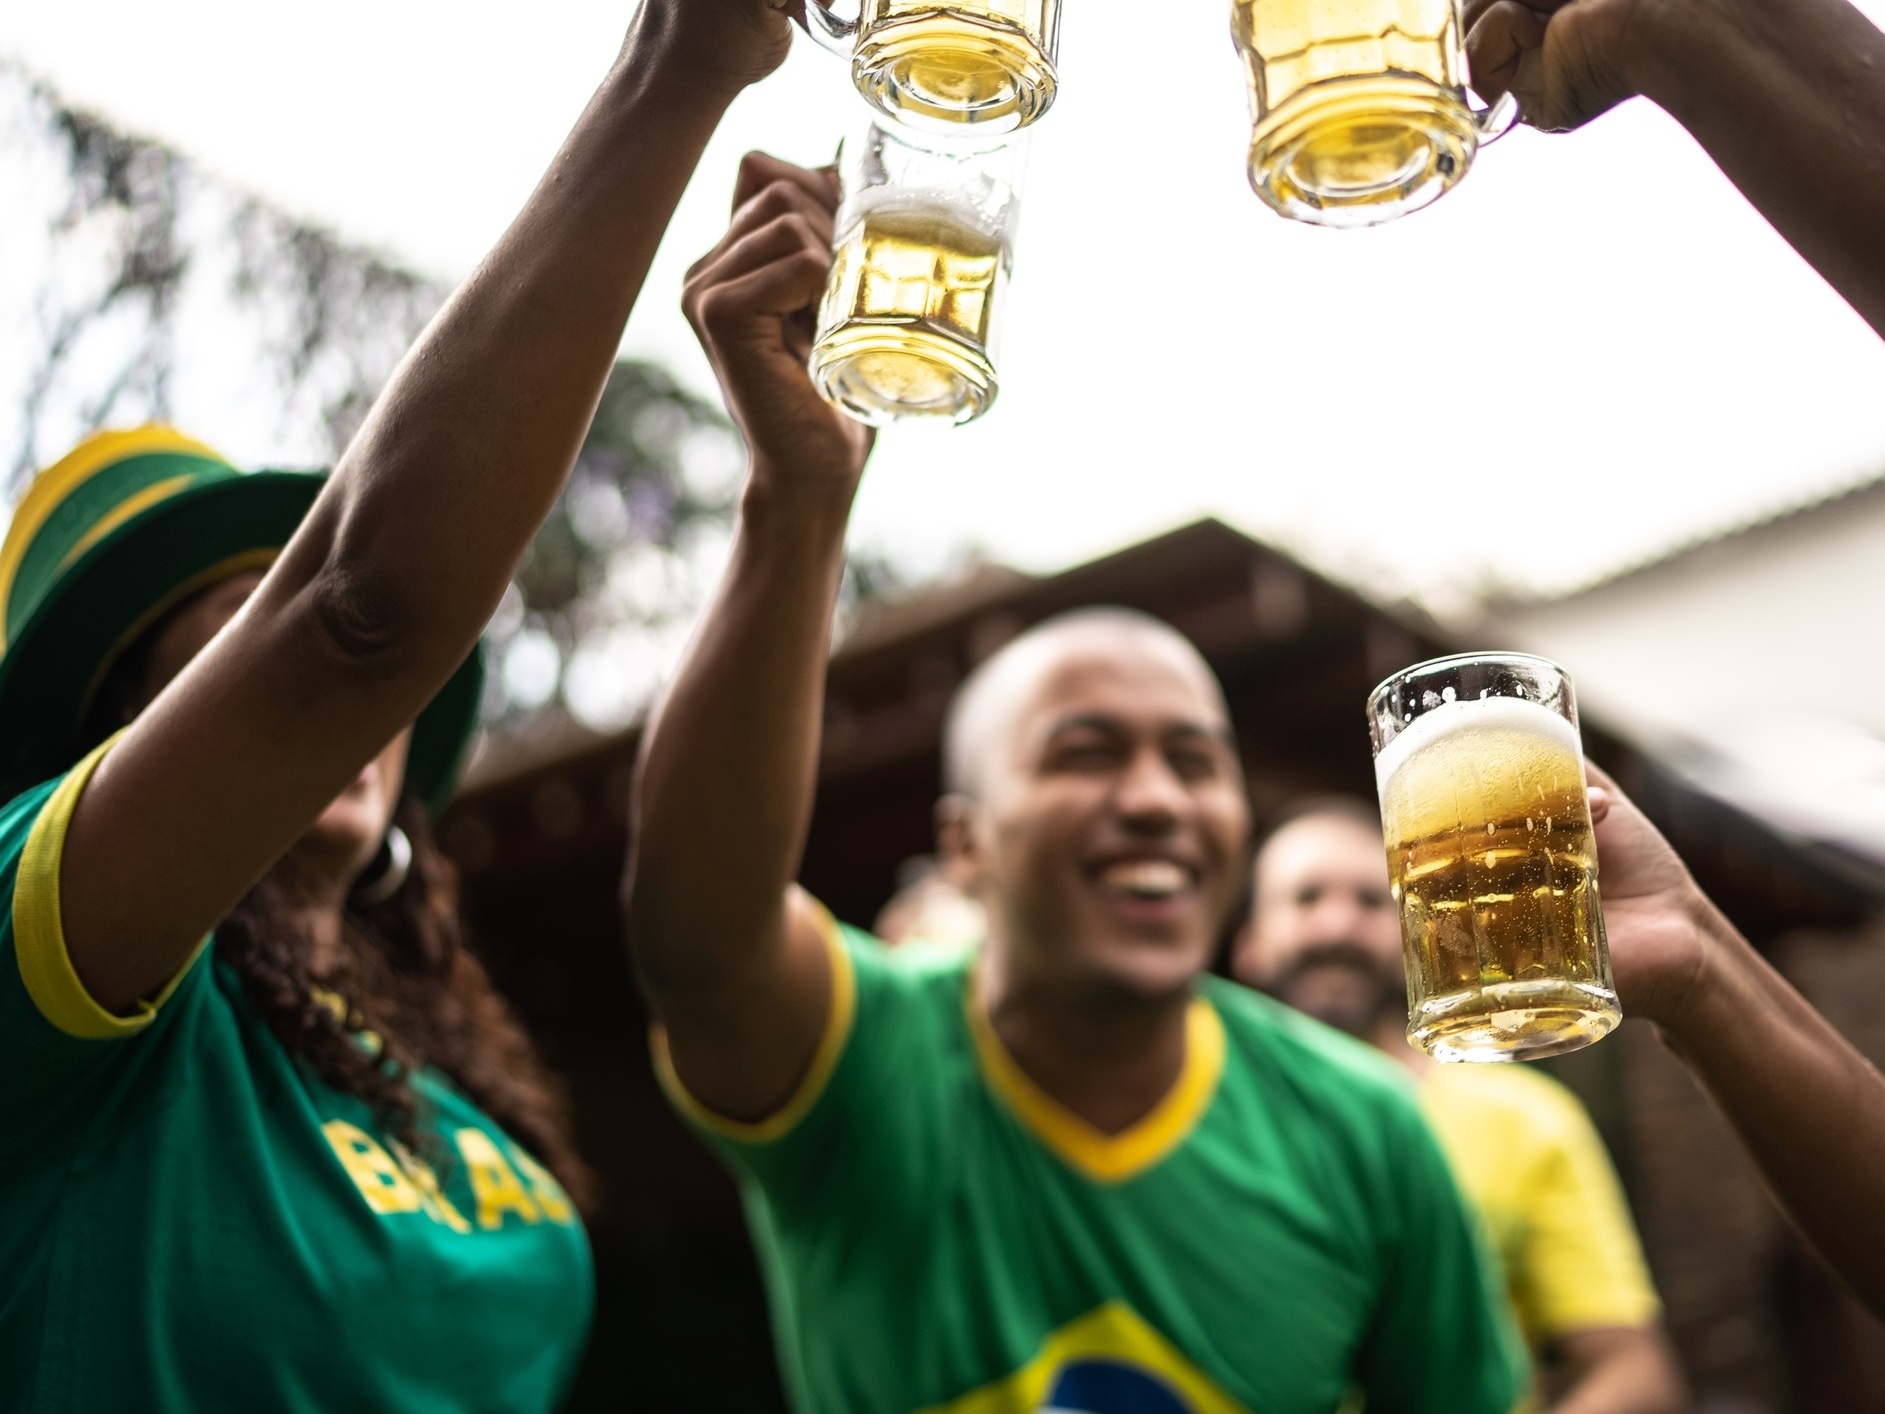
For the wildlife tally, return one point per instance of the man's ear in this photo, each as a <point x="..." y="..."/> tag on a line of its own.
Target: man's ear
<point x="957" y="844"/>
<point x="1245" y="964"/>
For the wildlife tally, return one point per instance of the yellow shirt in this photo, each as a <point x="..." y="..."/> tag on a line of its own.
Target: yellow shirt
<point x="1527" y="1156"/>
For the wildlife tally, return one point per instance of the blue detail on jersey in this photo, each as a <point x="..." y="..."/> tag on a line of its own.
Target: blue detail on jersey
<point x="1103" y="1387"/>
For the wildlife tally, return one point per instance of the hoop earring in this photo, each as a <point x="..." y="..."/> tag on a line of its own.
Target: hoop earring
<point x="386" y="875"/>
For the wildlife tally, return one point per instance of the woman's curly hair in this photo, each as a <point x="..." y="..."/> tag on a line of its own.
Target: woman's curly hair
<point x="405" y="975"/>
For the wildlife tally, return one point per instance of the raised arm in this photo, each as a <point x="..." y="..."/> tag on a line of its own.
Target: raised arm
<point x="391" y="578"/>
<point x="1808" y="1107"/>
<point x="733" y="959"/>
<point x="1788" y="97"/>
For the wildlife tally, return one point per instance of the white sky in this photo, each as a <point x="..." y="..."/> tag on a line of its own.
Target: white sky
<point x="1591" y="350"/>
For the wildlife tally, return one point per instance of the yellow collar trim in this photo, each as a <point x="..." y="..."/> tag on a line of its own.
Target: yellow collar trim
<point x="1107" y="1158"/>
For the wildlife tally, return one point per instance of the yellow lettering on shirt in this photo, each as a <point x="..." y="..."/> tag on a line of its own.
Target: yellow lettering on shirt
<point x="438" y="1207"/>
<point x="381" y="1181"/>
<point x="494" y="1183"/>
<point x="545" y="1189"/>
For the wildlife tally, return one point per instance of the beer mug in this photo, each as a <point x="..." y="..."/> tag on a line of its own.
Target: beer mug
<point x="911" y="315"/>
<point x="945" y="64"/>
<point x="1491" y="858"/>
<point x="1360" y="106"/>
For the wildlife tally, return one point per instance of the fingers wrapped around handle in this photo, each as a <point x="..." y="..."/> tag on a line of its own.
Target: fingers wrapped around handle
<point x="1499" y="34"/>
<point x="1565" y="61"/>
<point x="759" y="170"/>
<point x="753" y="301"/>
<point x="764" y="279"/>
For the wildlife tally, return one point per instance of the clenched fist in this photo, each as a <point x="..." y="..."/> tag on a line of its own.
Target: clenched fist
<point x="753" y="301"/>
<point x="1565" y="61"/>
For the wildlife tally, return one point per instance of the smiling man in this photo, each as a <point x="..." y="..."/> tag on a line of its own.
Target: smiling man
<point x="1069" y="1171"/>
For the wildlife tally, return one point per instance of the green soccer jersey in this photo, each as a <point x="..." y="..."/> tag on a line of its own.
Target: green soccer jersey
<point x="1278" y="1236"/>
<point x="192" y="1222"/>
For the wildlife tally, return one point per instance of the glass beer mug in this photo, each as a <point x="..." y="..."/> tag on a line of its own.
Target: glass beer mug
<point x="910" y="319"/>
<point x="1491" y="859"/>
<point x="1360" y="106"/>
<point x="946" y="64"/>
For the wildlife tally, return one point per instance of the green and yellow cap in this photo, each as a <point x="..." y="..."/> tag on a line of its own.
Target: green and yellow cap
<point x="105" y="542"/>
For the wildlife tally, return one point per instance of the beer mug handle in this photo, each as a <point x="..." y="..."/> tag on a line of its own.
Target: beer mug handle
<point x="826" y="26"/>
<point x="1494" y="122"/>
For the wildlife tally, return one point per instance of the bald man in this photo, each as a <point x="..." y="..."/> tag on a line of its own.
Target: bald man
<point x="1325" y="937"/>
<point x="1076" y="1173"/>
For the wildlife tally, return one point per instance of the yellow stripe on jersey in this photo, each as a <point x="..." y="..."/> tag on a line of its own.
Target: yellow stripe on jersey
<point x="1107" y="1158"/>
<point x="39" y="931"/>
<point x="824" y="1059"/>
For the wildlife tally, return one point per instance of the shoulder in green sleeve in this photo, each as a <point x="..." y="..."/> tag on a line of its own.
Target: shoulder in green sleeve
<point x="53" y="1037"/>
<point x="869" y="1100"/>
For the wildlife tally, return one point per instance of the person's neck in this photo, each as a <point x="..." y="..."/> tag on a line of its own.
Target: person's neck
<point x="1107" y="1056"/>
<point x="1390" y="1036"/>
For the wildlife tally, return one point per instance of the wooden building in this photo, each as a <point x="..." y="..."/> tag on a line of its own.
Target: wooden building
<point x="539" y="835"/>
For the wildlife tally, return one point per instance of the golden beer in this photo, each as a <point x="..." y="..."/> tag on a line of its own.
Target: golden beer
<point x="907" y="327"/>
<point x="989" y="63"/>
<point x="1494" y="868"/>
<point x="1359" y="105"/>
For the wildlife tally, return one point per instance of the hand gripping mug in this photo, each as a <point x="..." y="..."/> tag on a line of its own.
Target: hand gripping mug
<point x="1491" y="858"/>
<point x="1360" y="106"/>
<point x="944" y="65"/>
<point x="911" y="315"/>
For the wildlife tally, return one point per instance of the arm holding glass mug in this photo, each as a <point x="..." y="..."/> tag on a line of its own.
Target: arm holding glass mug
<point x="1808" y="1107"/>
<point x="1788" y="96"/>
<point x="733" y="958"/>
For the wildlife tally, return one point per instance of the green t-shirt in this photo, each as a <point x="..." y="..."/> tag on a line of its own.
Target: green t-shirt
<point x="938" y="1234"/>
<point x="192" y="1222"/>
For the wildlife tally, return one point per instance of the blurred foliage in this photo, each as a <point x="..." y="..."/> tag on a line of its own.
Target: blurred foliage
<point x="136" y="230"/>
<point x="604" y="597"/>
<point x="630" y="485"/>
<point x="603" y="601"/>
<point x="629" y="556"/>
<point x="347" y="315"/>
<point x="134" y="189"/>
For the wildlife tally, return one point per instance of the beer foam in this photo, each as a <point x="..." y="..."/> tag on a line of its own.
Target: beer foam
<point x="928" y="203"/>
<point x="1466" y="763"/>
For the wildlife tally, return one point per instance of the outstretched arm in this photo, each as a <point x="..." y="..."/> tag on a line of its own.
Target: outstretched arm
<point x="1788" y="97"/>
<point x="388" y="583"/>
<point x="731" y="958"/>
<point x="1809" y="1108"/>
